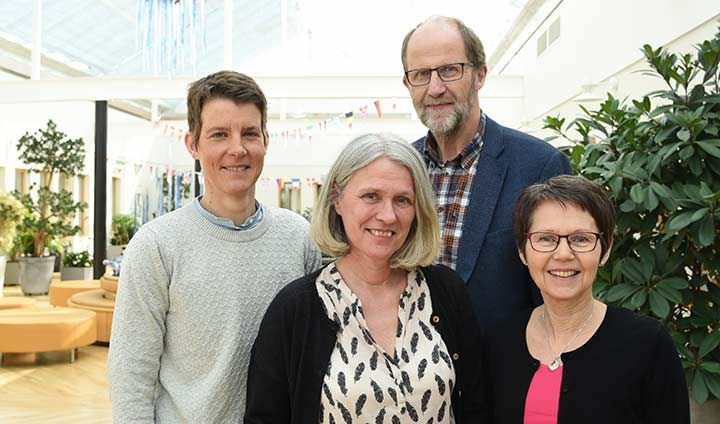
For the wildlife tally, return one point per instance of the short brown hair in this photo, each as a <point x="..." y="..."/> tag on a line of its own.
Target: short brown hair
<point x="474" y="49"/>
<point x="566" y="190"/>
<point x="230" y="85"/>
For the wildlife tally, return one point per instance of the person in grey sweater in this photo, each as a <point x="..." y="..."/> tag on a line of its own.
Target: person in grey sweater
<point x="195" y="283"/>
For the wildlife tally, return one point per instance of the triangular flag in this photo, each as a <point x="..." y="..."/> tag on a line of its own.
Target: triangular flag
<point x="378" y="108"/>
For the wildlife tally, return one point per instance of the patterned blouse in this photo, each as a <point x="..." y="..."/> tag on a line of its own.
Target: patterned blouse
<point x="365" y="384"/>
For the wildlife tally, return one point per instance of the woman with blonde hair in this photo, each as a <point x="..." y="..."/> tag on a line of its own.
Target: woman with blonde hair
<point x="379" y="335"/>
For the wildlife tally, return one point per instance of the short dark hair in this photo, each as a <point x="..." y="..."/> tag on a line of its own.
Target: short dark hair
<point x="474" y="49"/>
<point x="230" y="85"/>
<point x="566" y="190"/>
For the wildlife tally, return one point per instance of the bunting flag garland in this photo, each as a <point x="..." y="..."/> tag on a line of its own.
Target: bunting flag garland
<point x="349" y="119"/>
<point x="378" y="109"/>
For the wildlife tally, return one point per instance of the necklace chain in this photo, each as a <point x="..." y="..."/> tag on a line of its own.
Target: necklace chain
<point x="557" y="361"/>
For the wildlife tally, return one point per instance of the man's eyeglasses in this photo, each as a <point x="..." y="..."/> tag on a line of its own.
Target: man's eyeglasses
<point x="446" y="73"/>
<point x="578" y="242"/>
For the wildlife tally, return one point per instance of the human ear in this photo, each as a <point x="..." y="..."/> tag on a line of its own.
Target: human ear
<point x="522" y="257"/>
<point x="190" y="145"/>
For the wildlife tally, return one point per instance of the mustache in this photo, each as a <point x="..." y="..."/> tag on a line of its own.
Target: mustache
<point x="441" y="101"/>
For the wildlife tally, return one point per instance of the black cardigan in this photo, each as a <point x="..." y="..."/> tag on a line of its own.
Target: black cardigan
<point x="628" y="372"/>
<point x="296" y="339"/>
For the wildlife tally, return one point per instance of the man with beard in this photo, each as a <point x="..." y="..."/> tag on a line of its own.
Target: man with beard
<point x="477" y="167"/>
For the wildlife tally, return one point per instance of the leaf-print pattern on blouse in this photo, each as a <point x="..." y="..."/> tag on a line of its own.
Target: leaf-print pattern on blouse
<point x="365" y="384"/>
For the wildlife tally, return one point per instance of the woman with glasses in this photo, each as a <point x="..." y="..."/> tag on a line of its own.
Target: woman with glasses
<point x="575" y="359"/>
<point x="379" y="335"/>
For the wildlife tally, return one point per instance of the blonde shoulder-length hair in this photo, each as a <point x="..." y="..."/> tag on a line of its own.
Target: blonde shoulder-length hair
<point x="423" y="241"/>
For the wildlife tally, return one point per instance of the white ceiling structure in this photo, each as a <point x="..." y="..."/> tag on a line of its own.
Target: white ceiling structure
<point x="310" y="56"/>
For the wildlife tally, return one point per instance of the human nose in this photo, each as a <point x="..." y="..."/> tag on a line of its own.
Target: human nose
<point x="436" y="86"/>
<point x="237" y="145"/>
<point x="563" y="248"/>
<point x="386" y="212"/>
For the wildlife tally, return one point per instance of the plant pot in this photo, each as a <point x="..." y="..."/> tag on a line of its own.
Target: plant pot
<point x="36" y="274"/>
<point x="707" y="413"/>
<point x="76" y="273"/>
<point x="113" y="251"/>
<point x="12" y="273"/>
<point x="3" y="262"/>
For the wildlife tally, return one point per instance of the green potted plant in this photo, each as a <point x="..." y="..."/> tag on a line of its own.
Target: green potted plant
<point x="12" y="214"/>
<point x="659" y="158"/>
<point x="50" y="213"/>
<point x="123" y="227"/>
<point x="77" y="266"/>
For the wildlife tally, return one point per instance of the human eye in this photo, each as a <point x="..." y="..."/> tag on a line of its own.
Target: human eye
<point x="372" y="197"/>
<point x="218" y="134"/>
<point x="545" y="238"/>
<point x="419" y="75"/>
<point x="449" y="71"/>
<point x="404" y="201"/>
<point x="582" y="239"/>
<point x="251" y="134"/>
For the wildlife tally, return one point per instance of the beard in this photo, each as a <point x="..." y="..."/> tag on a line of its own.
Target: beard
<point x="446" y="122"/>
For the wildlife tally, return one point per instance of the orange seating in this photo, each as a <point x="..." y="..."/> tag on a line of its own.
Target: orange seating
<point x="45" y="329"/>
<point x="95" y="300"/>
<point x="16" y="302"/>
<point x="61" y="291"/>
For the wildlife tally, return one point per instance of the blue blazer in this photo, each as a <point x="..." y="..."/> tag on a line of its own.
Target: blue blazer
<point x="498" y="282"/>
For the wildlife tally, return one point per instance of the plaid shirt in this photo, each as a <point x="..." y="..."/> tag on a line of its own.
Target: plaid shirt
<point x="452" y="181"/>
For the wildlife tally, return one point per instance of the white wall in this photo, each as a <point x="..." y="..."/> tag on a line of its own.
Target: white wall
<point x="601" y="40"/>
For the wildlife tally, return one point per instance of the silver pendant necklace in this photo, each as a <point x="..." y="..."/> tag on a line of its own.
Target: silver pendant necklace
<point x="557" y="361"/>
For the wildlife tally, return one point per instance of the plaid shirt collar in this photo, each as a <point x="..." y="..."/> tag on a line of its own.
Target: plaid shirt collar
<point x="467" y="156"/>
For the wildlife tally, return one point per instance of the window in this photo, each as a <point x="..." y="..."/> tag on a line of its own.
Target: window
<point x="548" y="37"/>
<point x="22" y="181"/>
<point x="116" y="195"/>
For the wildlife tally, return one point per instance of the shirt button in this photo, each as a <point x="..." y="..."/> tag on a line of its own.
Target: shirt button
<point x="455" y="356"/>
<point x="435" y="319"/>
<point x="441" y="209"/>
<point x="447" y="173"/>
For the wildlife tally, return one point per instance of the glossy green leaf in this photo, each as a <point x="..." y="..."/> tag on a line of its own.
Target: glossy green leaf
<point x="659" y="305"/>
<point x="637" y="193"/>
<point x="683" y="220"/>
<point x="660" y="189"/>
<point x="686" y="152"/>
<point x="711" y="147"/>
<point x="683" y="135"/>
<point x="713" y="384"/>
<point x="632" y="270"/>
<point x="706" y="231"/>
<point x="672" y="295"/>
<point x="699" y="388"/>
<point x="709" y="344"/>
<point x="638" y="299"/>
<point x="620" y="291"/>
<point x="675" y="282"/>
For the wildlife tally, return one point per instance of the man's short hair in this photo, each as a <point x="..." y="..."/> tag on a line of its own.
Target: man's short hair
<point x="474" y="49"/>
<point x="572" y="190"/>
<point x="423" y="241"/>
<point x="230" y="85"/>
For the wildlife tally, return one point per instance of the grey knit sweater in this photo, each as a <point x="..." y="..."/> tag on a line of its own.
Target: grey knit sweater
<point x="190" y="300"/>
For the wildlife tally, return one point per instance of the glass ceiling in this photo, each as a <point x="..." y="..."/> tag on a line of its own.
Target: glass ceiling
<point x="320" y="37"/>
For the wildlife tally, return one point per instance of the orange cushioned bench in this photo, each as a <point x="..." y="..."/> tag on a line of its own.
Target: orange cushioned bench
<point x="45" y="329"/>
<point x="61" y="291"/>
<point x="16" y="303"/>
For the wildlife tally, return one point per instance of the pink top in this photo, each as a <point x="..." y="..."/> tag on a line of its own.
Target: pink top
<point x="543" y="397"/>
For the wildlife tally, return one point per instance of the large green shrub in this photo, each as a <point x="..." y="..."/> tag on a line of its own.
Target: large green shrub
<point x="12" y="214"/>
<point x="659" y="158"/>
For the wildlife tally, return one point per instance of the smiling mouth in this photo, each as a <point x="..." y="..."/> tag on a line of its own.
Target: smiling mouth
<point x="381" y="233"/>
<point x="236" y="168"/>
<point x="564" y="274"/>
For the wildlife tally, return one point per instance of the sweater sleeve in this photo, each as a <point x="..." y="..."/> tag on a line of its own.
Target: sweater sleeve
<point x="138" y="330"/>
<point x="268" y="399"/>
<point x="666" y="395"/>
<point x="313" y="257"/>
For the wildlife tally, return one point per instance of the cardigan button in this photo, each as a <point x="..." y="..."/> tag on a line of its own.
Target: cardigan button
<point x="455" y="356"/>
<point x="435" y="319"/>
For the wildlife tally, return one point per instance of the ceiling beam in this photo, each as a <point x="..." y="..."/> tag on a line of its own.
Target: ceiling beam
<point x="279" y="87"/>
